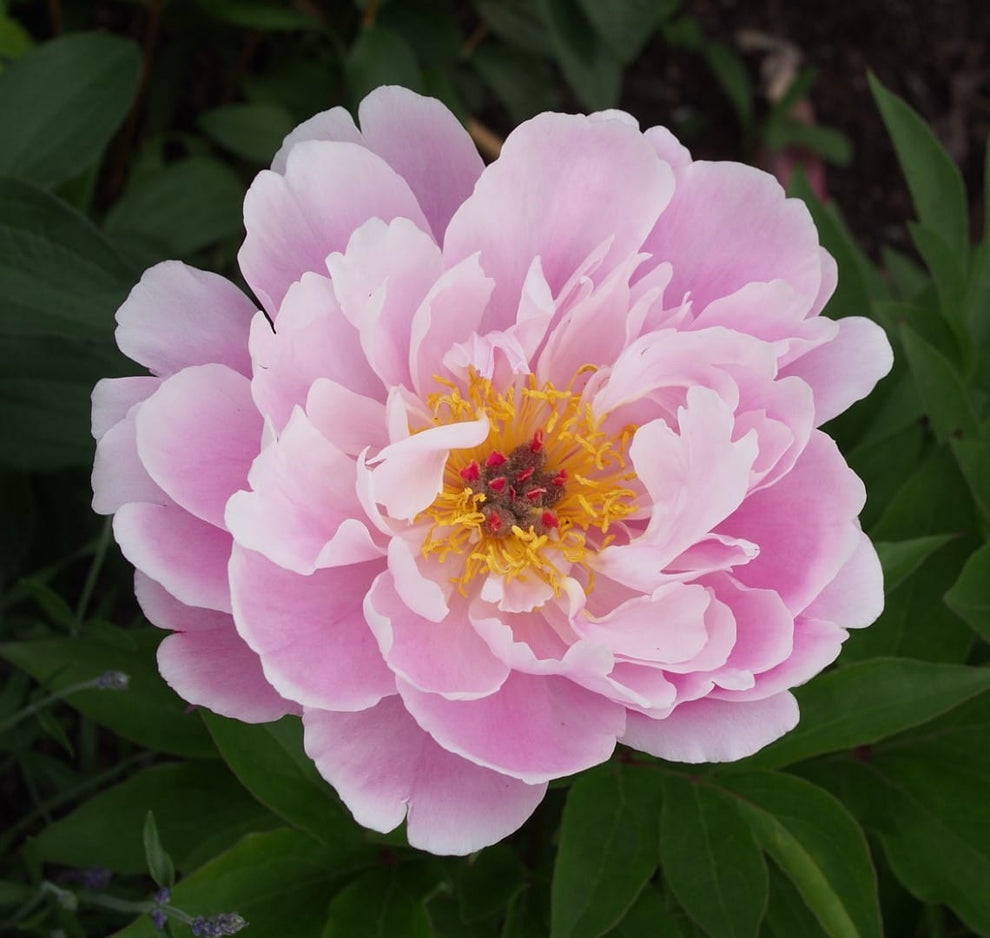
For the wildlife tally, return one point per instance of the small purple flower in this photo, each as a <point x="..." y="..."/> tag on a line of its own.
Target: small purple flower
<point x="95" y="877"/>
<point x="226" y="923"/>
<point x="163" y="896"/>
<point x="159" y="917"/>
<point x="113" y="680"/>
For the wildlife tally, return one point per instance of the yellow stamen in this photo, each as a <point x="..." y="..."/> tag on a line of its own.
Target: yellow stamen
<point x="548" y="441"/>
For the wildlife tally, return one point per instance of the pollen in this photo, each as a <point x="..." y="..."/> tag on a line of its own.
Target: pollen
<point x="539" y="496"/>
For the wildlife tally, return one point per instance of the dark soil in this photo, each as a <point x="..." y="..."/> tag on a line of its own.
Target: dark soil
<point x="934" y="53"/>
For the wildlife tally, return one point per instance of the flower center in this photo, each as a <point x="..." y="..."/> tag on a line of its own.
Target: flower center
<point x="539" y="495"/>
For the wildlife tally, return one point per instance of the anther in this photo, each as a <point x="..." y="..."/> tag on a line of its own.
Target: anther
<point x="495" y="458"/>
<point x="471" y="472"/>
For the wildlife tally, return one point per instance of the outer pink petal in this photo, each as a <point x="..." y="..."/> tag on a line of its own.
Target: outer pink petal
<point x="186" y="555"/>
<point x="213" y="668"/>
<point x="447" y="657"/>
<point x="533" y="728"/>
<point x="426" y="145"/>
<point x="162" y="609"/>
<point x="351" y="421"/>
<point x="729" y="225"/>
<point x="854" y="598"/>
<point x="845" y="369"/>
<point x="197" y="435"/>
<point x="302" y="492"/>
<point x="311" y="340"/>
<point x="710" y="730"/>
<point x="562" y="185"/>
<point x="805" y="525"/>
<point x="119" y="475"/>
<point x="295" y="221"/>
<point x="385" y="768"/>
<point x="335" y="124"/>
<point x="310" y="631"/>
<point x="177" y="316"/>
<point x="114" y="397"/>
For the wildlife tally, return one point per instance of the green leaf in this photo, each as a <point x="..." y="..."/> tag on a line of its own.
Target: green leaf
<point x="383" y="903"/>
<point x="148" y="712"/>
<point x="818" y="844"/>
<point x="190" y="205"/>
<point x="381" y="57"/>
<point x="710" y="861"/>
<point x="787" y="915"/>
<point x="626" y="25"/>
<point x="648" y="918"/>
<point x="827" y="142"/>
<point x="61" y="103"/>
<point x="900" y="559"/>
<point x="934" y="179"/>
<point x="947" y="270"/>
<point x="590" y="67"/>
<point x="908" y="277"/>
<point x="519" y="23"/>
<point x="198" y="807"/>
<point x="251" y="131"/>
<point x="925" y="794"/>
<point x="487" y="882"/>
<point x="270" y="762"/>
<point x="271" y="16"/>
<point x="523" y="83"/>
<point x="731" y="74"/>
<point x="608" y="850"/>
<point x="58" y="274"/>
<point x="160" y="864"/>
<point x="973" y="456"/>
<point x="867" y="701"/>
<point x="15" y="40"/>
<point x="969" y="596"/>
<point x="278" y="881"/>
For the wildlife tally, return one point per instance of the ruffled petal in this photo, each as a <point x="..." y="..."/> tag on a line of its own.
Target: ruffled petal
<point x="119" y="475"/>
<point x="310" y="631"/>
<point x="114" y="397"/>
<point x="710" y="730"/>
<point x="854" y="598"/>
<point x="385" y="768"/>
<point x="177" y="316"/>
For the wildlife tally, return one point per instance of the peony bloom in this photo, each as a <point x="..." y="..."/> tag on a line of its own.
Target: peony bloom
<point x="515" y="463"/>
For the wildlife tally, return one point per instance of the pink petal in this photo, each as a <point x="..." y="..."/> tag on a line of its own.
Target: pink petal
<point x="713" y="730"/>
<point x="385" y="768"/>
<point x="380" y="281"/>
<point x="804" y="538"/>
<point x="114" y="397"/>
<point x="764" y="625"/>
<point x="854" y="598"/>
<point x="162" y="609"/>
<point x="747" y="231"/>
<point x="533" y="728"/>
<point x="295" y="221"/>
<point x="310" y="631"/>
<point x="119" y="475"/>
<point x="186" y="555"/>
<point x="177" y="316"/>
<point x="555" y="192"/>
<point x="350" y="421"/>
<point x="335" y="124"/>
<point x="302" y="492"/>
<point x="311" y="340"/>
<point x="197" y="435"/>
<point x="845" y="369"/>
<point x="668" y="147"/>
<point x="447" y="657"/>
<point x="213" y="668"/>
<point x="426" y="145"/>
<point x="409" y="474"/>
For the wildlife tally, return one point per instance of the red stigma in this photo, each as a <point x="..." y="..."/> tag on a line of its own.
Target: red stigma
<point x="471" y="472"/>
<point x="535" y="494"/>
<point x="495" y="458"/>
<point x="526" y="474"/>
<point x="537" y="443"/>
<point x="560" y="478"/>
<point x="549" y="520"/>
<point x="494" y="522"/>
<point x="497" y="484"/>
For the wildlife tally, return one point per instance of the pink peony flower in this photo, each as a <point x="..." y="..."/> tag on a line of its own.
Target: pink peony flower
<point x="516" y="463"/>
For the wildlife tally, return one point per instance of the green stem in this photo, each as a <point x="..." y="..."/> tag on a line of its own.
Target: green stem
<point x="31" y="709"/>
<point x="102" y="543"/>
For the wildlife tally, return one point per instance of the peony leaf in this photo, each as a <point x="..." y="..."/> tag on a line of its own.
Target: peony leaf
<point x="649" y="918"/>
<point x="934" y="179"/>
<point x="710" y="861"/>
<point x="867" y="701"/>
<point x="277" y="880"/>
<point x="900" y="559"/>
<point x="251" y="131"/>
<point x="626" y="25"/>
<point x="948" y="273"/>
<point x="608" y="850"/>
<point x="787" y="915"/>
<point x="269" y="761"/>
<point x="818" y="844"/>
<point x="969" y="596"/>
<point x="522" y="82"/>
<point x="148" y="712"/>
<point x="488" y="881"/>
<point x="61" y="103"/>
<point x="160" y="864"/>
<point x="380" y="56"/>
<point x="381" y="904"/>
<point x="212" y="814"/>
